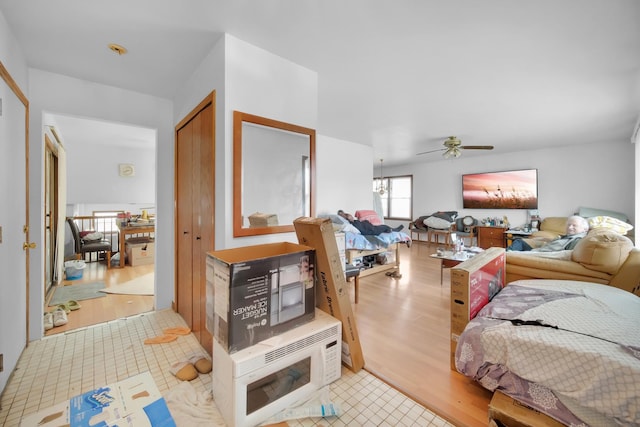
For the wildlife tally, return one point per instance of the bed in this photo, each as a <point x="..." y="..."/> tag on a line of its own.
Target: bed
<point x="566" y="348"/>
<point x="358" y="245"/>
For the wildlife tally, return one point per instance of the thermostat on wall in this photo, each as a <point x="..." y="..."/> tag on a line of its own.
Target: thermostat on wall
<point x="126" y="169"/>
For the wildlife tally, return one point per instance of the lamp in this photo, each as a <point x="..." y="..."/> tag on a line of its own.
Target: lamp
<point x="381" y="189"/>
<point x="453" y="151"/>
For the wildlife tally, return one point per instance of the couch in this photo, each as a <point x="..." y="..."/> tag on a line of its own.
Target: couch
<point x="550" y="229"/>
<point x="603" y="256"/>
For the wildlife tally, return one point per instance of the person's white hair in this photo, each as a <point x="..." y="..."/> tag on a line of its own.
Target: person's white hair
<point x="581" y="220"/>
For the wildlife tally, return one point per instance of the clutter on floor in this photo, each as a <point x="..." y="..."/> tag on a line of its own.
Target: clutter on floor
<point x="83" y="291"/>
<point x="178" y="330"/>
<point x="96" y="353"/>
<point x="161" y="339"/>
<point x="133" y="401"/>
<point x="188" y="369"/>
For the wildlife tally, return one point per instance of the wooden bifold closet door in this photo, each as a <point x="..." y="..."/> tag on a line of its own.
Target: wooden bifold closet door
<point x="195" y="215"/>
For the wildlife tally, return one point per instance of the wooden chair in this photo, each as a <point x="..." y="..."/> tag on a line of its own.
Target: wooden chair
<point x="465" y="228"/>
<point x="83" y="247"/>
<point x="437" y="232"/>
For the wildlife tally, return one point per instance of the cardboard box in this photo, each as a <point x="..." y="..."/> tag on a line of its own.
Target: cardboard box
<point x="133" y="401"/>
<point x="140" y="253"/>
<point x="256" y="292"/>
<point x="332" y="290"/>
<point x="341" y="242"/>
<point x="512" y="413"/>
<point x="263" y="220"/>
<point x="473" y="284"/>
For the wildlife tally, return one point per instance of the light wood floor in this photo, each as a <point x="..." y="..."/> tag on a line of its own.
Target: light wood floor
<point x="404" y="329"/>
<point x="403" y="326"/>
<point x="110" y="307"/>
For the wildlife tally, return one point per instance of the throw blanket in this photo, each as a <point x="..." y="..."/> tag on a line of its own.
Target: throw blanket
<point x="569" y="349"/>
<point x="192" y="409"/>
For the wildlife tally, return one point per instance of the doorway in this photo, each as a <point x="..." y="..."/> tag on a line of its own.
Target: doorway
<point x="82" y="179"/>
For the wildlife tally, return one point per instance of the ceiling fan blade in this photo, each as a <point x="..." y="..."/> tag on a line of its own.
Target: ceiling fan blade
<point x="477" y="147"/>
<point x="431" y="151"/>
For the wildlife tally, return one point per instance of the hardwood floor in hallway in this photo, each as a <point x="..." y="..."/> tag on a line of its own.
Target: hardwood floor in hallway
<point x="107" y="308"/>
<point x="404" y="328"/>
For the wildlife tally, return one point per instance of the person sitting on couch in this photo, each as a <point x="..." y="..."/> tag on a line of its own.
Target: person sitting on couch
<point x="577" y="228"/>
<point x="366" y="228"/>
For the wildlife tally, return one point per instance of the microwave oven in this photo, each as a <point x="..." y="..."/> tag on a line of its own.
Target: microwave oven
<point x="255" y="383"/>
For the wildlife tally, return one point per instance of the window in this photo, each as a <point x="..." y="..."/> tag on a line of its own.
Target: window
<point x="105" y="221"/>
<point x="396" y="200"/>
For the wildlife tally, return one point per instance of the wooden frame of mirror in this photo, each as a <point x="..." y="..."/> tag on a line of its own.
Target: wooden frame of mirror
<point x="262" y="146"/>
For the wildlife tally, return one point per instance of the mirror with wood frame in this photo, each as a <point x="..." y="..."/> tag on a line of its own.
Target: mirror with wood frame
<point x="273" y="174"/>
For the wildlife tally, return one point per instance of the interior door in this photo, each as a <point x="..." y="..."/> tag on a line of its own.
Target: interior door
<point x="194" y="215"/>
<point x="15" y="245"/>
<point x="50" y="213"/>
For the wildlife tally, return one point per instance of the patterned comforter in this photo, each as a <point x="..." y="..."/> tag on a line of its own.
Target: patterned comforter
<point x="370" y="243"/>
<point x="569" y="349"/>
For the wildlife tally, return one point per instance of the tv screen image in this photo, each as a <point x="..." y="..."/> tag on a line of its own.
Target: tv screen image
<point x="517" y="189"/>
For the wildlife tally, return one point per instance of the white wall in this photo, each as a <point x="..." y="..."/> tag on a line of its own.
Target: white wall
<point x="56" y="94"/>
<point x="255" y="82"/>
<point x="597" y="176"/>
<point x="92" y="175"/>
<point x="344" y="176"/>
<point x="13" y="292"/>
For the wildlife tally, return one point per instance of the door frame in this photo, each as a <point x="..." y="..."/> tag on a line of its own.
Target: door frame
<point x="50" y="225"/>
<point x="4" y="74"/>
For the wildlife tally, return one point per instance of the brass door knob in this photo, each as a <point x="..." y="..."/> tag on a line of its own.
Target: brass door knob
<point x="26" y="245"/>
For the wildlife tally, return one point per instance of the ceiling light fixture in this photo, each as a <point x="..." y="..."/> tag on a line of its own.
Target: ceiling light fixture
<point x="120" y="50"/>
<point x="452" y="152"/>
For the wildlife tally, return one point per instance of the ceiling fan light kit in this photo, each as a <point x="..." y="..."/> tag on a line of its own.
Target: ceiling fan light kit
<point x="453" y="146"/>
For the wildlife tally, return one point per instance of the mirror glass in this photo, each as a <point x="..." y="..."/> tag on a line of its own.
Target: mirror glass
<point x="273" y="174"/>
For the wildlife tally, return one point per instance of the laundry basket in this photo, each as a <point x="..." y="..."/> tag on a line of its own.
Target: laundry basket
<point x="74" y="269"/>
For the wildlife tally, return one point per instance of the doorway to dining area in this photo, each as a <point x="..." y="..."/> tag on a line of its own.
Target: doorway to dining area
<point x="108" y="168"/>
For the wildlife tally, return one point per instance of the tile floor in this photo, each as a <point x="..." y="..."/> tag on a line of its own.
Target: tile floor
<point x="61" y="366"/>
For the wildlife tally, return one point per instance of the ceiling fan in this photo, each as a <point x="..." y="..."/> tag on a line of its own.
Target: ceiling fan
<point x="453" y="146"/>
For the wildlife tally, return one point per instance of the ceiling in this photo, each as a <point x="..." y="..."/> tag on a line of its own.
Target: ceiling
<point x="399" y="76"/>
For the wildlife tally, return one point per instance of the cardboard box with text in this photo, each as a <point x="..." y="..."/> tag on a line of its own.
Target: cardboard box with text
<point x="256" y="292"/>
<point x="332" y="291"/>
<point x="473" y="284"/>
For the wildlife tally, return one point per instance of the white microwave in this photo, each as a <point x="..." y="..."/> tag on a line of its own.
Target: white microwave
<point x="253" y="384"/>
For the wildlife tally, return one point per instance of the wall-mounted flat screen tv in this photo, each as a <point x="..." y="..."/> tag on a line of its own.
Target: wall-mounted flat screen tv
<point x="517" y="189"/>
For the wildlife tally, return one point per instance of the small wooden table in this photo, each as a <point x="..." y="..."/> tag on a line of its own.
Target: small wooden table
<point x="450" y="259"/>
<point x="132" y="229"/>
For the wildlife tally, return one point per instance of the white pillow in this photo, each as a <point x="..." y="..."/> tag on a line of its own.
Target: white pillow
<point x="609" y="223"/>
<point x="92" y="237"/>
<point x="351" y="228"/>
<point x="340" y="223"/>
<point x="435" y="222"/>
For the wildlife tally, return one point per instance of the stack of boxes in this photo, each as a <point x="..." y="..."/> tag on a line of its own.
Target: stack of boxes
<point x="262" y="296"/>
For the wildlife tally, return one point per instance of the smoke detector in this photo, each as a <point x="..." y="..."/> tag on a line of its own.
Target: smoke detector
<point x="120" y="50"/>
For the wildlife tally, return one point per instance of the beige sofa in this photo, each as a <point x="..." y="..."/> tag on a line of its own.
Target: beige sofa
<point x="603" y="256"/>
<point x="550" y="229"/>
